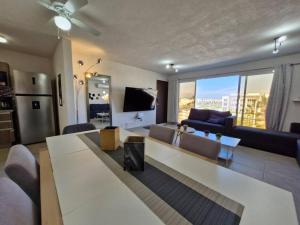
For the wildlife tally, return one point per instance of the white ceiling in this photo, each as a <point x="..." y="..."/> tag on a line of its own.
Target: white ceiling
<point x="195" y="34"/>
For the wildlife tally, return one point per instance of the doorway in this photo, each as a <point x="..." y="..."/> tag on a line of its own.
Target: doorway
<point x="162" y="101"/>
<point x="99" y="100"/>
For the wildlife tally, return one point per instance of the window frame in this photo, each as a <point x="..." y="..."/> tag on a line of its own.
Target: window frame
<point x="240" y="74"/>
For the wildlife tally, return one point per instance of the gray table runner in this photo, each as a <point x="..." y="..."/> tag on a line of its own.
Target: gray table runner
<point x="172" y="196"/>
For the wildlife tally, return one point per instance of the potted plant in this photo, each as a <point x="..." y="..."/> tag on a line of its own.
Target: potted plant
<point x="218" y="136"/>
<point x="206" y="133"/>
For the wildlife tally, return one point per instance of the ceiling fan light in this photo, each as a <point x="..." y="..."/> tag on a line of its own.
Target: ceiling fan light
<point x="62" y="23"/>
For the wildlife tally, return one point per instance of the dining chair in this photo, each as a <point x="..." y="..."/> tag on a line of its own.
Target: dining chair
<point x="22" y="167"/>
<point x="162" y="133"/>
<point x="200" y="145"/>
<point x="78" y="128"/>
<point x="15" y="206"/>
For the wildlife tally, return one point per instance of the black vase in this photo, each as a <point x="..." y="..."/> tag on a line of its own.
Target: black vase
<point x="134" y="153"/>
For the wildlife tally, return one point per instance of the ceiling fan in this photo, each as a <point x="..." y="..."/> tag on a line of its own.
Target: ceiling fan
<point x="65" y="10"/>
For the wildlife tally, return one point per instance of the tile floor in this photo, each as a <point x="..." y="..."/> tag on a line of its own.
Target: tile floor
<point x="274" y="169"/>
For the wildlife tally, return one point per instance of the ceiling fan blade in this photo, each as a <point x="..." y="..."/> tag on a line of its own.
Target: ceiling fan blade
<point x="74" y="5"/>
<point x="47" y="4"/>
<point x="85" y="27"/>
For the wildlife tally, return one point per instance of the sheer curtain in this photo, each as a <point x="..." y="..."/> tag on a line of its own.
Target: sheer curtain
<point x="279" y="97"/>
<point x="173" y="101"/>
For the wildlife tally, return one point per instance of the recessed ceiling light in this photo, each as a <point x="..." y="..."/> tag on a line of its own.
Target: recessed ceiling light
<point x="3" y="40"/>
<point x="62" y="23"/>
<point x="168" y="66"/>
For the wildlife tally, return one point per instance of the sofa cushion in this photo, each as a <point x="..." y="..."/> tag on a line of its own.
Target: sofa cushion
<point x="220" y="114"/>
<point x="216" y="119"/>
<point x="283" y="143"/>
<point x="199" y="114"/>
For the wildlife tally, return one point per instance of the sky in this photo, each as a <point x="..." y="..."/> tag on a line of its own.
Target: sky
<point x="217" y="87"/>
<point x="220" y="86"/>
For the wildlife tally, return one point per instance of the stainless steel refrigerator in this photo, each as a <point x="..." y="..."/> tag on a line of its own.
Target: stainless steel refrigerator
<point x="34" y="105"/>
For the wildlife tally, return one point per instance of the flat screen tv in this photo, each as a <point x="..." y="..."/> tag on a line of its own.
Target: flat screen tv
<point x="139" y="99"/>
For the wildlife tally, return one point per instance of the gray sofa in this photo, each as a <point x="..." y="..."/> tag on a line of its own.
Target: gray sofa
<point x="283" y="143"/>
<point x="211" y="120"/>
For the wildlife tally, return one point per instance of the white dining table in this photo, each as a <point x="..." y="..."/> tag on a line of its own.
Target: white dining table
<point x="89" y="193"/>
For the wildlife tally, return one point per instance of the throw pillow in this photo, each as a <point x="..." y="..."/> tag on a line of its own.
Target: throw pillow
<point x="199" y="114"/>
<point x="219" y="113"/>
<point x="216" y="119"/>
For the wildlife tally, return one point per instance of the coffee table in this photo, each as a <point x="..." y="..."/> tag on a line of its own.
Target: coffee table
<point x="228" y="144"/>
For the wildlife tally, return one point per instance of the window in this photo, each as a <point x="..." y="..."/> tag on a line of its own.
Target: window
<point x="254" y="95"/>
<point x="218" y="93"/>
<point x="244" y="95"/>
<point x="186" y="99"/>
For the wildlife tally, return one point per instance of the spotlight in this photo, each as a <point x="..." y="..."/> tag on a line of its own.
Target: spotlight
<point x="80" y="62"/>
<point x="278" y="41"/>
<point x="275" y="51"/>
<point x="99" y="60"/>
<point x="282" y="38"/>
<point x="88" y="75"/>
<point x="172" y="66"/>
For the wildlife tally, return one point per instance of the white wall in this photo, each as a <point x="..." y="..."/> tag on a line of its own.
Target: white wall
<point x="26" y="62"/>
<point x="62" y="64"/>
<point x="293" y="108"/>
<point x="121" y="76"/>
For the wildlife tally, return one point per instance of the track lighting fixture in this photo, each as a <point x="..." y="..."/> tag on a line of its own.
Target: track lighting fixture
<point x="278" y="42"/>
<point x="172" y="67"/>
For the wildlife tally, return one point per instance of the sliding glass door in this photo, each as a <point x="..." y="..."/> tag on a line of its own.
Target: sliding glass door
<point x="254" y="95"/>
<point x="218" y="93"/>
<point x="186" y="99"/>
<point x="244" y="95"/>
